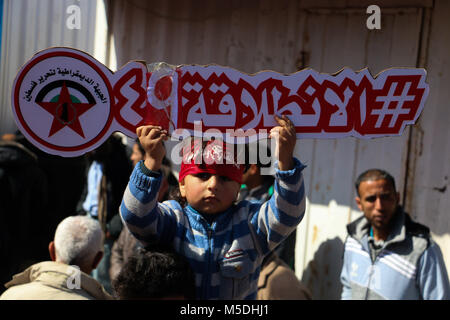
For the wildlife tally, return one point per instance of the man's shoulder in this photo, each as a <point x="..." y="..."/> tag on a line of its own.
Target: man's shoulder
<point x="36" y="290"/>
<point x="418" y="230"/>
<point x="355" y="225"/>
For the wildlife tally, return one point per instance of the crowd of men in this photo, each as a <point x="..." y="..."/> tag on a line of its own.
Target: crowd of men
<point x="67" y="209"/>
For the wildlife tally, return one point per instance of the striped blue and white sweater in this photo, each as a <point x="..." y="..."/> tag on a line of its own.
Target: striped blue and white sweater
<point x="226" y="255"/>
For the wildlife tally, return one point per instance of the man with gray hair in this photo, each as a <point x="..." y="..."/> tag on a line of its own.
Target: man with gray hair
<point x="75" y="252"/>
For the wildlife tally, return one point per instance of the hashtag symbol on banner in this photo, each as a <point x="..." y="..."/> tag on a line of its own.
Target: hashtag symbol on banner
<point x="387" y="100"/>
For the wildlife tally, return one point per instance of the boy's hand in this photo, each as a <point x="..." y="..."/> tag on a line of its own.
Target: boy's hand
<point x="151" y="139"/>
<point x="286" y="139"/>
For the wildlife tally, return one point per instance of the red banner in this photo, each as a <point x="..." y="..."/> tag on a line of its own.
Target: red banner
<point x="67" y="103"/>
<point x="320" y="105"/>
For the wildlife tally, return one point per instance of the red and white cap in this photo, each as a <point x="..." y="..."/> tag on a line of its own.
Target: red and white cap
<point x="215" y="158"/>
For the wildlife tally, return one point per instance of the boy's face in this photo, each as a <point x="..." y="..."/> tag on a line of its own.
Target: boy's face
<point x="209" y="193"/>
<point x="136" y="155"/>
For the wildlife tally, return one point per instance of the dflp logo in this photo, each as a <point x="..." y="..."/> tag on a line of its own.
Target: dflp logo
<point x="65" y="101"/>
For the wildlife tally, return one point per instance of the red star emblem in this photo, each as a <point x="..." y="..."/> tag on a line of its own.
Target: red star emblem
<point x="65" y="112"/>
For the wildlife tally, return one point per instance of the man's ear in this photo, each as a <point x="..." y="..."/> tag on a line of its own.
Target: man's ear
<point x="182" y="189"/>
<point x="358" y="203"/>
<point x="52" y="251"/>
<point x="398" y="197"/>
<point x="98" y="257"/>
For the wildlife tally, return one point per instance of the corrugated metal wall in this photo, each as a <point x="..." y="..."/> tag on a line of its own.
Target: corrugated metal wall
<point x="1" y="24"/>
<point x="33" y="25"/>
<point x="428" y="192"/>
<point x="247" y="35"/>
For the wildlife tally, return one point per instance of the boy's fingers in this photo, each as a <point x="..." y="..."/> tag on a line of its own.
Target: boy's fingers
<point x="154" y="134"/>
<point x="143" y="131"/>
<point x="284" y="121"/>
<point x="291" y="131"/>
<point x="281" y="119"/>
<point x="139" y="131"/>
<point x="161" y="137"/>
<point x="282" y="135"/>
<point x="149" y="132"/>
<point x="146" y="129"/>
<point x="290" y="127"/>
<point x="288" y="121"/>
<point x="278" y="120"/>
<point x="284" y="130"/>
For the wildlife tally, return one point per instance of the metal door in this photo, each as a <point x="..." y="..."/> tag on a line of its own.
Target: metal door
<point x="332" y="39"/>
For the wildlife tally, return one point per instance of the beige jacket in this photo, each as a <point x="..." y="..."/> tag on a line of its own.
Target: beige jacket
<point x="278" y="282"/>
<point x="52" y="281"/>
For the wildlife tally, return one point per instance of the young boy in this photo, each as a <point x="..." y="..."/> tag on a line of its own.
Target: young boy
<point x="224" y="242"/>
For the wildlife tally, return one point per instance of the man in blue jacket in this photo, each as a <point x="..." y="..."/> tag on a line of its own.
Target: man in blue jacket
<point x="387" y="255"/>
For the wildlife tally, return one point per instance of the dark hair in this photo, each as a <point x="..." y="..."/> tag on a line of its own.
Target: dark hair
<point x="155" y="273"/>
<point x="175" y="194"/>
<point x="372" y="175"/>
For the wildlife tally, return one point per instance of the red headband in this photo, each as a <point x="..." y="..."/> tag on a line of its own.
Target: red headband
<point x="216" y="160"/>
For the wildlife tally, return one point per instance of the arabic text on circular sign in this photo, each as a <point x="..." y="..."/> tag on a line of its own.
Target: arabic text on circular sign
<point x="62" y="101"/>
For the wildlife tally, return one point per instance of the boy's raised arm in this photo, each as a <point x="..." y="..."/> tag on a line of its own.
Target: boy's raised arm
<point x="279" y="216"/>
<point x="144" y="217"/>
<point x="286" y="138"/>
